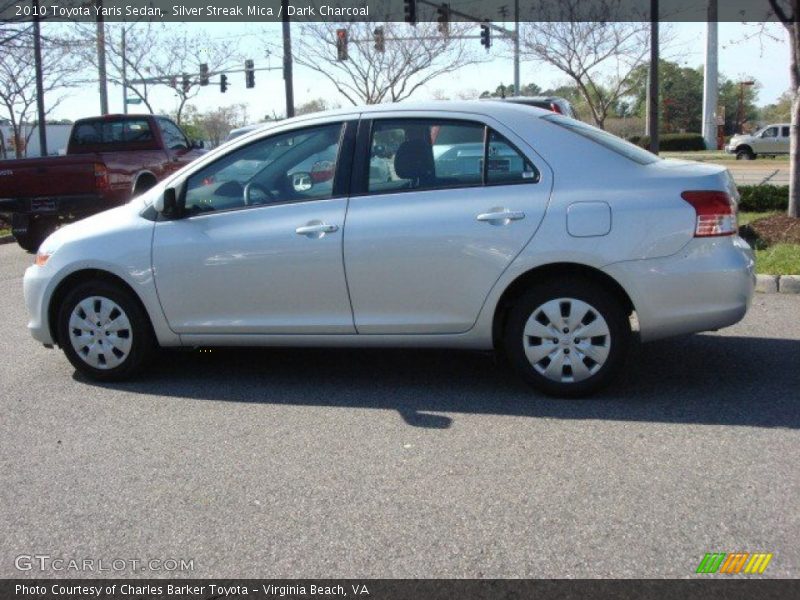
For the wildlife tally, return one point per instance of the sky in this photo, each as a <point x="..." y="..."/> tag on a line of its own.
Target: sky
<point x="742" y="54"/>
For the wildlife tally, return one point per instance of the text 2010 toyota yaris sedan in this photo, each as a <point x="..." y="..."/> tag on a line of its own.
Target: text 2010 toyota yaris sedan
<point x="467" y="225"/>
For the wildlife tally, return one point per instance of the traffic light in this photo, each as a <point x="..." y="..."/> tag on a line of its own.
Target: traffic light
<point x="410" y="11"/>
<point x="380" y="41"/>
<point x="444" y="18"/>
<point x="223" y="83"/>
<point x="486" y="36"/>
<point x="204" y="74"/>
<point x="185" y="83"/>
<point x="249" y="73"/>
<point x="341" y="44"/>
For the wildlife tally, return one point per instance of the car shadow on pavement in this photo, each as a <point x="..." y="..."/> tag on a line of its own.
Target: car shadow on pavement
<point x="703" y="379"/>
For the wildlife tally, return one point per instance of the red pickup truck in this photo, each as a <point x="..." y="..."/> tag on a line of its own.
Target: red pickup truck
<point x="109" y="160"/>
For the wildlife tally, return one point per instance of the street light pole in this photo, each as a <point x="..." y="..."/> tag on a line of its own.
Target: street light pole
<point x="101" y="58"/>
<point x="124" y="75"/>
<point x="517" y="91"/>
<point x="653" y="83"/>
<point x="287" y="60"/>
<point x="740" y="111"/>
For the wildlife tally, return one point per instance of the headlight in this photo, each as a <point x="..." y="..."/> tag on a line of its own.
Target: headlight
<point x="42" y="258"/>
<point x="46" y="250"/>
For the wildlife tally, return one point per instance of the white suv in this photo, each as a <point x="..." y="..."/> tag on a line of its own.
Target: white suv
<point x="768" y="141"/>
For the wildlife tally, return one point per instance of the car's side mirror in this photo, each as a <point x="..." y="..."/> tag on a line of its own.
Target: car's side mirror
<point x="301" y="182"/>
<point x="167" y="203"/>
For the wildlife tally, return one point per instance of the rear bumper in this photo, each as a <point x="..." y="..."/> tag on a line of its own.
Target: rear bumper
<point x="80" y="205"/>
<point x="706" y="286"/>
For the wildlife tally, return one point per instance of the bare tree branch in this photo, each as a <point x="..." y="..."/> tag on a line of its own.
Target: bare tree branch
<point x="372" y="77"/>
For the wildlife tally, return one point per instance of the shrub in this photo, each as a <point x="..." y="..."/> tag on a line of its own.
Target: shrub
<point x="762" y="198"/>
<point x="672" y="142"/>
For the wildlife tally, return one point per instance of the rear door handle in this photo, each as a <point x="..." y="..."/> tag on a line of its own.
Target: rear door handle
<point x="316" y="229"/>
<point x="501" y="217"/>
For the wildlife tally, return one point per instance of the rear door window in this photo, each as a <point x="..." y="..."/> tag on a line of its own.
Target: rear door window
<point x="427" y="154"/>
<point x="91" y="133"/>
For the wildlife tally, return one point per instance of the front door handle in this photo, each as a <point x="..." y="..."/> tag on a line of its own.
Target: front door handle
<point x="316" y="229"/>
<point x="500" y="216"/>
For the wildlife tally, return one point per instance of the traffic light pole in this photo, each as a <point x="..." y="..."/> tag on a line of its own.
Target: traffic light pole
<point x="287" y="59"/>
<point x="37" y="58"/>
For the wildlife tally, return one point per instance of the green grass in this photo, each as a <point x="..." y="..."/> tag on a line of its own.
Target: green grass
<point x="745" y="218"/>
<point x="4" y="232"/>
<point x="780" y="259"/>
<point x="720" y="155"/>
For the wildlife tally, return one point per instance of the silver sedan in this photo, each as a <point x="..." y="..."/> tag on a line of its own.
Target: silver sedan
<point x="483" y="225"/>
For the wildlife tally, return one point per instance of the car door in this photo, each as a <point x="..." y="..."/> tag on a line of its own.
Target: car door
<point x="424" y="248"/>
<point x="259" y="249"/>
<point x="784" y="140"/>
<point x="768" y="142"/>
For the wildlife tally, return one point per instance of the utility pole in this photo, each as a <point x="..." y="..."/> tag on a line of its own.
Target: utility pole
<point x="652" y="117"/>
<point x="124" y="75"/>
<point x="37" y="58"/>
<point x="711" y="79"/>
<point x="101" y="58"/>
<point x="517" y="91"/>
<point x="287" y="60"/>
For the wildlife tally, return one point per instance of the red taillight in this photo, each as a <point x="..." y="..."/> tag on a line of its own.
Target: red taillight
<point x="716" y="213"/>
<point x="100" y="176"/>
<point x="555" y="108"/>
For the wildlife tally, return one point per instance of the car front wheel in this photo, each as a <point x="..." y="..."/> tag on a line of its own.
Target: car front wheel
<point x="568" y="338"/>
<point x="104" y="332"/>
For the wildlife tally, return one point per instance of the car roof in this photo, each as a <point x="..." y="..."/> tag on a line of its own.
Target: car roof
<point x="495" y="107"/>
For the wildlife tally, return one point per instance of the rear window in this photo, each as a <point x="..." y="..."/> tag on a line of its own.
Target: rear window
<point x="92" y="133"/>
<point x="608" y="140"/>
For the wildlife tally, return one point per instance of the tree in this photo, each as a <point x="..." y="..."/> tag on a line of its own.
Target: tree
<point x="681" y="96"/>
<point x="159" y="55"/>
<point x="503" y="91"/>
<point x="315" y="105"/>
<point x="601" y="57"/>
<point x="371" y="77"/>
<point x="18" y="81"/>
<point x="214" y="125"/>
<point x="729" y="94"/>
<point x="780" y="110"/>
<point x="788" y="12"/>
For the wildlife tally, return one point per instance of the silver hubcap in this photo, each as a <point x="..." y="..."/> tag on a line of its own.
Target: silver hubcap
<point x="100" y="332"/>
<point x="566" y="340"/>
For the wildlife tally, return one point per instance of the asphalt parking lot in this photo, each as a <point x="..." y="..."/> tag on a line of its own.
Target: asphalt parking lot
<point x="331" y="463"/>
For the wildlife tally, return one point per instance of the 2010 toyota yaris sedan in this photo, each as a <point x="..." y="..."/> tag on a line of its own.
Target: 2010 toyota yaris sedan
<point x="482" y="225"/>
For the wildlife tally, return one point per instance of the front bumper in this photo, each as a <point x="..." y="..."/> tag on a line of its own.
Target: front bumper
<point x="36" y="292"/>
<point x="706" y="286"/>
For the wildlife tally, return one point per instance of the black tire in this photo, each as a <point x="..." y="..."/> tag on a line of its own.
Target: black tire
<point x="142" y="346"/>
<point x="144" y="183"/>
<point x="745" y="153"/>
<point x="601" y="303"/>
<point x="37" y="232"/>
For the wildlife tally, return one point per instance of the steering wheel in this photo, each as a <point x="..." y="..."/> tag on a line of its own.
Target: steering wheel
<point x="256" y="186"/>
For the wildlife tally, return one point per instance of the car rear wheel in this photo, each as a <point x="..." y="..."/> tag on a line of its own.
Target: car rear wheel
<point x="569" y="338"/>
<point x="37" y="232"/>
<point x="104" y="332"/>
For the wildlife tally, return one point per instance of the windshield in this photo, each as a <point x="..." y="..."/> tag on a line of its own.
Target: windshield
<point x="608" y="140"/>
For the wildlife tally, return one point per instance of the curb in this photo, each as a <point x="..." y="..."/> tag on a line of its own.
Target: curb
<point x="6" y="239"/>
<point x="778" y="284"/>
